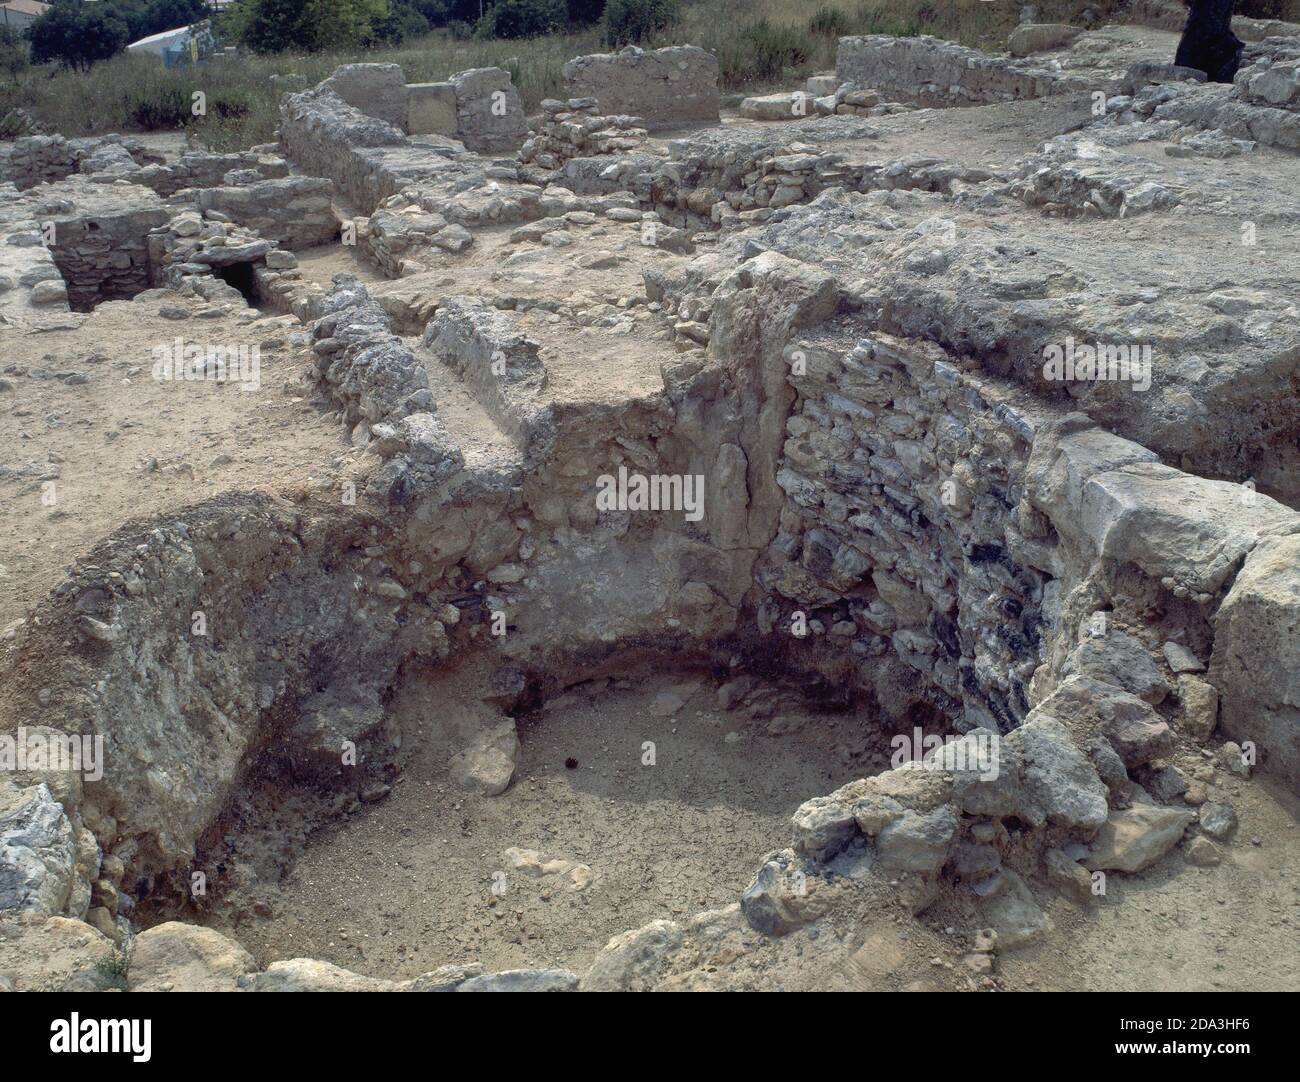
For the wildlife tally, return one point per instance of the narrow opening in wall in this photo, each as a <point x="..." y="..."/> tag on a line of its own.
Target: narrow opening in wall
<point x="241" y="276"/>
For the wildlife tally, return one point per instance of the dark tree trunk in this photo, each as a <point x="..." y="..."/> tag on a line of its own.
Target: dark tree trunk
<point x="1208" y="42"/>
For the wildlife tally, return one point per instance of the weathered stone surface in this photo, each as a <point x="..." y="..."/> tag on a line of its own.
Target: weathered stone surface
<point x="1256" y="661"/>
<point x="37" y="852"/>
<point x="378" y="90"/>
<point x="1030" y="38"/>
<point x="175" y="957"/>
<point x="523" y="980"/>
<point x="489" y="114"/>
<point x="667" y="87"/>
<point x="488" y="765"/>
<point x="311" y="975"/>
<point x="53" y="954"/>
<point x="1133" y="840"/>
<point x="431" y="109"/>
<point x="1008" y="906"/>
<point x="1118" y="658"/>
<point x="918" y="842"/>
<point x="935" y="72"/>
<point x="295" y="211"/>
<point x="633" y="961"/>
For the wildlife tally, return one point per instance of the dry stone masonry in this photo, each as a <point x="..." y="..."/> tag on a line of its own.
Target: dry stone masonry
<point x="986" y="448"/>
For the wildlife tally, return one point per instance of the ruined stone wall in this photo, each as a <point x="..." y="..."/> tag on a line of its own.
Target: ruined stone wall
<point x="199" y="170"/>
<point x="575" y="128"/>
<point x="378" y="90"/>
<point x="736" y="177"/>
<point x="934" y="72"/>
<point x="669" y="87"/>
<point x="295" y="212"/>
<point x="324" y="136"/>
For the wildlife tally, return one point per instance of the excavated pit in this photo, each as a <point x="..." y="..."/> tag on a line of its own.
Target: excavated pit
<point x="387" y="682"/>
<point x="635" y="797"/>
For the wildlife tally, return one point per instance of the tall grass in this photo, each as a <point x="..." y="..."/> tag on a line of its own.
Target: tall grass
<point x="760" y="44"/>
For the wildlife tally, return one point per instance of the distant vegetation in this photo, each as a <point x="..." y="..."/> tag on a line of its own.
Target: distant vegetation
<point x="72" y="88"/>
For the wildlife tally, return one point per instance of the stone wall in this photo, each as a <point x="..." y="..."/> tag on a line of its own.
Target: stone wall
<point x="489" y="112"/>
<point x="934" y="72"/>
<point x="44" y="159"/>
<point x="432" y="109"/>
<point x="378" y="90"/>
<point x="324" y="136"/>
<point x="100" y="237"/>
<point x="201" y="170"/>
<point x="294" y="212"/>
<point x="574" y="129"/>
<point x="668" y="87"/>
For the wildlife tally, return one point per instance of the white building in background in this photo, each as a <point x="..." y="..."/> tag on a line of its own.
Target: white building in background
<point x="175" y="45"/>
<point x="18" y="15"/>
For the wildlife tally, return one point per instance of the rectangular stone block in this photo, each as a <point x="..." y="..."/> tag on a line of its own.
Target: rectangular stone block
<point x="667" y="87"/>
<point x="431" y="109"/>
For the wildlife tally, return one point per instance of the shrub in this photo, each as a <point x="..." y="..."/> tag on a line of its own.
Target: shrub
<point x="276" y="26"/>
<point x="13" y="54"/>
<point x="829" y="22"/>
<point x="631" y="21"/>
<point x="404" y="20"/>
<point x="521" y="19"/>
<point x="761" y="52"/>
<point x="168" y="110"/>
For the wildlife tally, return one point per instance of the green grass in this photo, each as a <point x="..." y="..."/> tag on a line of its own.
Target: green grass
<point x="760" y="44"/>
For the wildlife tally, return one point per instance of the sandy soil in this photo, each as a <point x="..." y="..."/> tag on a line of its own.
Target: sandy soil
<point x="116" y="444"/>
<point x="406" y="885"/>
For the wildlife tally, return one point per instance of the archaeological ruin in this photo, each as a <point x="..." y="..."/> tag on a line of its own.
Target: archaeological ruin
<point x="847" y="538"/>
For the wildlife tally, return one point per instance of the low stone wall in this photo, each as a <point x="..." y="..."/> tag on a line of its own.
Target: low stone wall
<point x="378" y="90"/>
<point x="735" y="176"/>
<point x="934" y="72"/>
<point x="575" y="128"/>
<point x="45" y="159"/>
<point x="99" y="237"/>
<point x="667" y="87"/>
<point x="199" y="170"/>
<point x="295" y="212"/>
<point x="324" y="136"/>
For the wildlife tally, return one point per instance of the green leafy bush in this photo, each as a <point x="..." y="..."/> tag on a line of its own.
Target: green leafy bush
<point x="522" y="19"/>
<point x="77" y="35"/>
<point x="627" y="22"/>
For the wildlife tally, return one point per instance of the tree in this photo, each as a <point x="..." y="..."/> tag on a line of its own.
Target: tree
<point x="163" y="15"/>
<point x="522" y="19"/>
<point x="404" y="20"/>
<point x="77" y="35"/>
<point x="13" y="54"/>
<point x="585" y="12"/>
<point x="276" y="26"/>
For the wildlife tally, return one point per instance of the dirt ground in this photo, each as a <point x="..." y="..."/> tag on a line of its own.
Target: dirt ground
<point x="406" y="885"/>
<point x="82" y="412"/>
